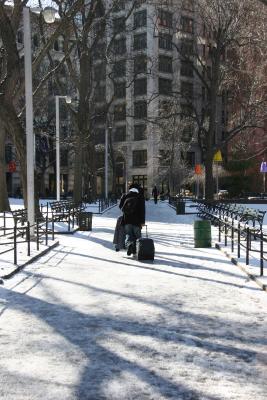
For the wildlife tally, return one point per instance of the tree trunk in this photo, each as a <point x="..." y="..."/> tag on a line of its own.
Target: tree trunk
<point x="209" y="183"/>
<point x="78" y="176"/>
<point x="4" y="202"/>
<point x="12" y="124"/>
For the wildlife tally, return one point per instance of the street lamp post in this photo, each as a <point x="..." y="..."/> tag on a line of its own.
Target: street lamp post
<point x="30" y="149"/>
<point x="29" y="117"/>
<point x="68" y="101"/>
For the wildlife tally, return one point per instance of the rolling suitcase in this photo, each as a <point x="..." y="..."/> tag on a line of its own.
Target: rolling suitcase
<point x="145" y="249"/>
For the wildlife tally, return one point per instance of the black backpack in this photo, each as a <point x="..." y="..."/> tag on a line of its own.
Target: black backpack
<point x="130" y="206"/>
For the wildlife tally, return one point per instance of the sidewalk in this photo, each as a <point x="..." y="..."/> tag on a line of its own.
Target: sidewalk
<point x="87" y="323"/>
<point x="7" y="266"/>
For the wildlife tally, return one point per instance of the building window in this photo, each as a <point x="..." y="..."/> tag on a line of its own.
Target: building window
<point x="119" y="25"/>
<point x="20" y="37"/>
<point x="139" y="19"/>
<point x="190" y="158"/>
<point x="56" y="45"/>
<point x="140" y="64"/>
<point x="119" y="69"/>
<point x="140" y="87"/>
<point x="165" y="108"/>
<point x="187" y="24"/>
<point x="164" y="158"/>
<point x="120" y="134"/>
<point x="186" y="110"/>
<point x="140" y="41"/>
<point x="187" y="89"/>
<point x="119" y="5"/>
<point x="120" y="46"/>
<point x="165" y="64"/>
<point x="99" y="28"/>
<point x="187" y="133"/>
<point x="100" y="72"/>
<point x="100" y="115"/>
<point x="187" y="68"/>
<point x="188" y="5"/>
<point x="8" y="153"/>
<point x="100" y="93"/>
<point x="187" y="47"/>
<point x="138" y="3"/>
<point x="165" y="86"/>
<point x="64" y="157"/>
<point x="139" y="158"/>
<point x="100" y="136"/>
<point x="140" y="132"/>
<point x="165" y="18"/>
<point x="119" y="90"/>
<point x="165" y="41"/>
<point x="35" y="40"/>
<point x="140" y="109"/>
<point x="119" y="112"/>
<point x="100" y="160"/>
<point x="99" y="51"/>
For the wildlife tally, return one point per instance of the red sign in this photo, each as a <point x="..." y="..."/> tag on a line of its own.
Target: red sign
<point x="12" y="166"/>
<point x="198" y="169"/>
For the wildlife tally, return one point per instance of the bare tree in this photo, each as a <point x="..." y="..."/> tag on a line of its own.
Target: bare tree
<point x="176" y="135"/>
<point x="213" y="40"/>
<point x="12" y="73"/>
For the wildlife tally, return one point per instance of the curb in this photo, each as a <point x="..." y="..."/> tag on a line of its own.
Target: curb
<point x="20" y="267"/>
<point x="66" y="232"/>
<point x="240" y="266"/>
<point x="106" y="209"/>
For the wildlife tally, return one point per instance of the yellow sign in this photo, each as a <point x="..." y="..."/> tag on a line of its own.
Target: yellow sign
<point x="217" y="156"/>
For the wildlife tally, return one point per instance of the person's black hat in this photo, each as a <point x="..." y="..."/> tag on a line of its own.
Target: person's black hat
<point x="134" y="186"/>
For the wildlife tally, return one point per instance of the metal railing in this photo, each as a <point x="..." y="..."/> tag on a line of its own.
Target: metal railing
<point x="235" y="227"/>
<point x="104" y="204"/>
<point x="11" y="237"/>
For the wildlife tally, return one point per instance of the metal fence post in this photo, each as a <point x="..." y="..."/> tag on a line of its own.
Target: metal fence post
<point x="232" y="236"/>
<point x="15" y="242"/>
<point x="53" y="230"/>
<point x="238" y="241"/>
<point x="225" y="232"/>
<point x="28" y="238"/>
<point x="247" y="247"/>
<point x="4" y="222"/>
<point x="46" y="230"/>
<point x="37" y="234"/>
<point x="261" y="254"/>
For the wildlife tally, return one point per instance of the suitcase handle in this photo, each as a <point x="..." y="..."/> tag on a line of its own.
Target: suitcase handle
<point x="146" y="230"/>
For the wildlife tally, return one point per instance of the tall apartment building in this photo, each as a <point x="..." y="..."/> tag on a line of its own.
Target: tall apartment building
<point x="145" y="72"/>
<point x="143" y="43"/>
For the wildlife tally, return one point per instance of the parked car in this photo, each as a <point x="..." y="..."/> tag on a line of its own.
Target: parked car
<point x="222" y="194"/>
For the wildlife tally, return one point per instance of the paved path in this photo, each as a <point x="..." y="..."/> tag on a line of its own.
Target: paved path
<point x="86" y="322"/>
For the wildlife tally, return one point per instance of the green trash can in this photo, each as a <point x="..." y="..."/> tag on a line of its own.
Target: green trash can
<point x="202" y="233"/>
<point x="180" y="207"/>
<point x="85" y="221"/>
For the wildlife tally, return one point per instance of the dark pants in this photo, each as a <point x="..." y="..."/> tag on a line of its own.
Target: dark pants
<point x="155" y="199"/>
<point x="133" y="233"/>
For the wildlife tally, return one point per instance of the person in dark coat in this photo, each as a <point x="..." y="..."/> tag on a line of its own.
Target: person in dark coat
<point x="155" y="194"/>
<point x="132" y="205"/>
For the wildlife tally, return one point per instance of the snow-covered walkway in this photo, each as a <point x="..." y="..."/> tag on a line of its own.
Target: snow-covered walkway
<point x="85" y="322"/>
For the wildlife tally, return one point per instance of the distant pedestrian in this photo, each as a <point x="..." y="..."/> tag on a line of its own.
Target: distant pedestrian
<point x="132" y="205"/>
<point x="155" y="194"/>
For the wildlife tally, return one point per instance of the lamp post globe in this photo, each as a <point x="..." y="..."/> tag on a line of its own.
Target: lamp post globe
<point x="49" y="14"/>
